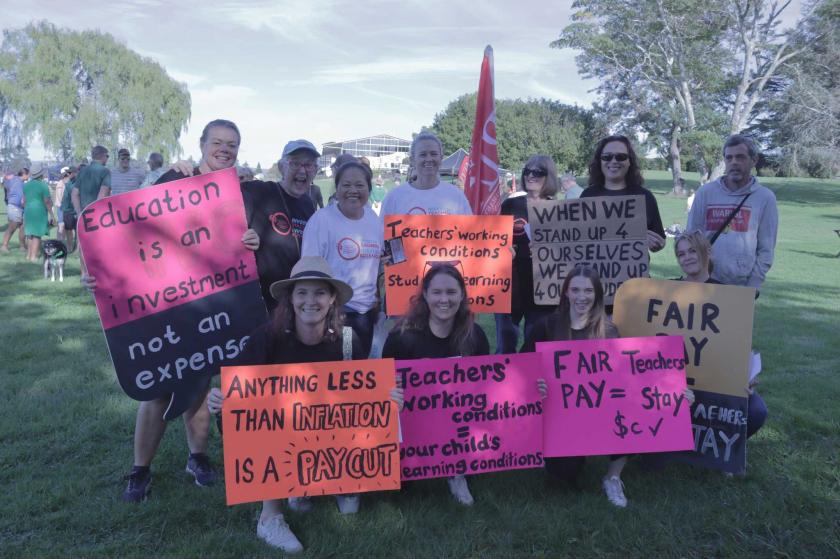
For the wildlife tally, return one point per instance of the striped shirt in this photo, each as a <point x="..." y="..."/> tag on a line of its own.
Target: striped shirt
<point x="125" y="181"/>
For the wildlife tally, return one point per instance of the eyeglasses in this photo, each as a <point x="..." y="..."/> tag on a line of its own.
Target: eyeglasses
<point x="616" y="156"/>
<point x="539" y="173"/>
<point x="308" y="165"/>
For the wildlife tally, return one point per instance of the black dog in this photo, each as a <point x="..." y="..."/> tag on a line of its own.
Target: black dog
<point x="55" y="252"/>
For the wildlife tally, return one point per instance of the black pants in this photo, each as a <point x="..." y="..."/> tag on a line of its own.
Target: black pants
<point x="362" y="324"/>
<point x="568" y="468"/>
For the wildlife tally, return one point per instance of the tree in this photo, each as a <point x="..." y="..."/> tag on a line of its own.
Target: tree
<point x="524" y="128"/>
<point x="802" y="121"/>
<point x="258" y="170"/>
<point x="679" y="59"/>
<point x="77" y="89"/>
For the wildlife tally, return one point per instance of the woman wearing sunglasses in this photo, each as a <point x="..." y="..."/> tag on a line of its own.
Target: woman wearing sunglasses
<point x="539" y="182"/>
<point x="614" y="171"/>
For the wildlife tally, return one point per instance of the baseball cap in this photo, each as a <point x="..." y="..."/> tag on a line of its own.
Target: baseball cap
<point x="296" y="145"/>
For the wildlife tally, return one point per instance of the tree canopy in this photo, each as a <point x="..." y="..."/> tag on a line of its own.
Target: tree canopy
<point x="524" y="128"/>
<point x="680" y="71"/>
<point x="77" y="89"/>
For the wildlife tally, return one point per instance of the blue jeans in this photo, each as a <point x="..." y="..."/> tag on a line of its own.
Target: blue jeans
<point x="362" y="324"/>
<point x="507" y="328"/>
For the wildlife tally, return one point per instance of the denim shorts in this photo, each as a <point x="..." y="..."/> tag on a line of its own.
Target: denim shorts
<point x="14" y="213"/>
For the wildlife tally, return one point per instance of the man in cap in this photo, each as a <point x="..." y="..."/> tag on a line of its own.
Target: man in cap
<point x="14" y="208"/>
<point x="279" y="212"/>
<point x="156" y="169"/>
<point x="124" y="177"/>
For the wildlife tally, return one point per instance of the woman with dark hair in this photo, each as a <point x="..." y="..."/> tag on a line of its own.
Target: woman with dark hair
<point x="694" y="255"/>
<point x="439" y="324"/>
<point x="614" y="171"/>
<point x="349" y="236"/>
<point x="539" y="182"/>
<point x="579" y="316"/>
<point x="306" y="326"/>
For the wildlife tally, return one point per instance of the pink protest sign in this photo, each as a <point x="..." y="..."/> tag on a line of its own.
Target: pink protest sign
<point x="468" y="415"/>
<point x="615" y="396"/>
<point x="177" y="292"/>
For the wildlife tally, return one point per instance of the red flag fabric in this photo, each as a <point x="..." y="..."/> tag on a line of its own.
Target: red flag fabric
<point x="482" y="185"/>
<point x="462" y="170"/>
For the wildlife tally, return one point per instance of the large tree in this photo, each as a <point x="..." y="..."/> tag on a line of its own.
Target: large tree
<point x="678" y="60"/>
<point x="77" y="89"/>
<point x="523" y="129"/>
<point x="802" y="121"/>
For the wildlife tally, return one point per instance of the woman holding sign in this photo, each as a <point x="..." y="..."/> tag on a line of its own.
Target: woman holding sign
<point x="694" y="255"/>
<point x="580" y="316"/>
<point x="539" y="182"/>
<point x="349" y="236"/>
<point x="306" y="327"/>
<point x="439" y="324"/>
<point x="614" y="171"/>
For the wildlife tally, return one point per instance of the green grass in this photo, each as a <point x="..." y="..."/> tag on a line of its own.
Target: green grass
<point x="66" y="440"/>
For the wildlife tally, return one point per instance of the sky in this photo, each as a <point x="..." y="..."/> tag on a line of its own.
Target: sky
<point x="328" y="70"/>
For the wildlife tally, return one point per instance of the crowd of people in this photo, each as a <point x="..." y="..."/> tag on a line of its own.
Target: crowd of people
<point x="319" y="268"/>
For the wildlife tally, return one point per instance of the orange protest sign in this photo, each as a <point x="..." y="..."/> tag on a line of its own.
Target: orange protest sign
<point x="309" y="429"/>
<point x="478" y="245"/>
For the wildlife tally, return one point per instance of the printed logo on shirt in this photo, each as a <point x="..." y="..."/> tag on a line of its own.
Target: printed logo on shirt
<point x="519" y="226"/>
<point x="298" y="225"/>
<point x="716" y="216"/>
<point x="416" y="210"/>
<point x="280" y="223"/>
<point x="350" y="249"/>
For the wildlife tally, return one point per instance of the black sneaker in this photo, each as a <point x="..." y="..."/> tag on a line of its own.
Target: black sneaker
<point x="139" y="485"/>
<point x="198" y="465"/>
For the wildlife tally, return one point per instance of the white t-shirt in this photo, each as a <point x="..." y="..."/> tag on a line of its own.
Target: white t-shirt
<point x="352" y="248"/>
<point x="443" y="199"/>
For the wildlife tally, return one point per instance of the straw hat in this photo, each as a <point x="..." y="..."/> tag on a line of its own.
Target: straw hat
<point x="313" y="268"/>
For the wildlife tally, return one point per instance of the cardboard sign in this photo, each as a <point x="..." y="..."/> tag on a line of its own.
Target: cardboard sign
<point x="606" y="233"/>
<point x="177" y="292"/>
<point x="716" y="323"/>
<point x="615" y="396"/>
<point x="469" y="415"/>
<point x="309" y="429"/>
<point x="478" y="245"/>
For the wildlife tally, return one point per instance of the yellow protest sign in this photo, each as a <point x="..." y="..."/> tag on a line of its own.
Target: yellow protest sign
<point x="714" y="320"/>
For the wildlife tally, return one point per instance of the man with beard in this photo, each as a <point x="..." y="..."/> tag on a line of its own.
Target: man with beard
<point x="739" y="216"/>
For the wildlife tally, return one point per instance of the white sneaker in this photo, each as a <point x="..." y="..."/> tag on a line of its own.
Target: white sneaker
<point x="460" y="490"/>
<point x="276" y="533"/>
<point x="348" y="504"/>
<point x="300" y="504"/>
<point x="614" y="488"/>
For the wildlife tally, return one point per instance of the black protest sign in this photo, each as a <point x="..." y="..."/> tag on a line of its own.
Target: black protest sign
<point x="608" y="234"/>
<point x="177" y="292"/>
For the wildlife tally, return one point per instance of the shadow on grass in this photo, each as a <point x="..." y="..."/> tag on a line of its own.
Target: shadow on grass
<point x="816" y="254"/>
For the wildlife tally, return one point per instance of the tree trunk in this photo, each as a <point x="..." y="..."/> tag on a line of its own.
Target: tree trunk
<point x="676" y="162"/>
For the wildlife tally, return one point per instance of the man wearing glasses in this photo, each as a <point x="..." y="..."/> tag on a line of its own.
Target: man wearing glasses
<point x="125" y="178"/>
<point x="279" y="212"/>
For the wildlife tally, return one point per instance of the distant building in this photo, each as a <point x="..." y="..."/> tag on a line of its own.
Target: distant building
<point x="383" y="151"/>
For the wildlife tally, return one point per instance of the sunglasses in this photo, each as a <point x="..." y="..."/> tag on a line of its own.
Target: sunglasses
<point x="539" y="173"/>
<point x="616" y="156"/>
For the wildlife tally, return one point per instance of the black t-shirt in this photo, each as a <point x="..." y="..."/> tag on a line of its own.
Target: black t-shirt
<point x="522" y="280"/>
<point x="546" y="327"/>
<point x="173" y="175"/>
<point x="279" y="220"/>
<point x="261" y="349"/>
<point x="423" y="344"/>
<point x="710" y="280"/>
<point x="654" y="221"/>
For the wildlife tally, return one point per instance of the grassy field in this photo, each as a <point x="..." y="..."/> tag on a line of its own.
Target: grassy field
<point x="66" y="441"/>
